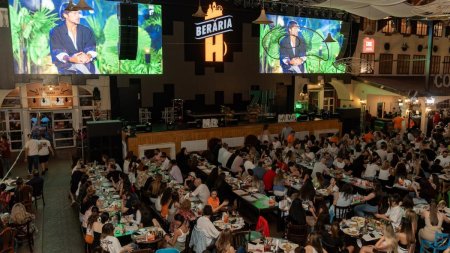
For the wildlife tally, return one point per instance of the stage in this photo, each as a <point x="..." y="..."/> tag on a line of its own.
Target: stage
<point x="171" y="141"/>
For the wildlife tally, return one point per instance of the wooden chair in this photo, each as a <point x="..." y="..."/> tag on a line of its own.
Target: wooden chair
<point x="297" y="233"/>
<point x="23" y="233"/>
<point x="7" y="236"/>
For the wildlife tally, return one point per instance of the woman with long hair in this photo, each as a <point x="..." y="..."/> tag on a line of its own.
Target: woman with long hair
<point x="387" y="243"/>
<point x="433" y="222"/>
<point x="332" y="240"/>
<point x="155" y="188"/>
<point x="307" y="191"/>
<point x="297" y="215"/>
<point x="406" y="238"/>
<point x="180" y="232"/>
<point x="224" y="242"/>
<point x="314" y="244"/>
<point x="19" y="214"/>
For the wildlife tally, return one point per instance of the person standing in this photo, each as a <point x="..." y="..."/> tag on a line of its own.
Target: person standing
<point x="45" y="148"/>
<point x="32" y="154"/>
<point x="6" y="155"/>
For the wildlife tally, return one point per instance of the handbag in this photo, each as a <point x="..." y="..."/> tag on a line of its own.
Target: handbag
<point x="89" y="237"/>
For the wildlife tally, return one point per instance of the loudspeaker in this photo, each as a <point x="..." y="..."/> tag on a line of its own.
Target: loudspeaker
<point x="128" y="30"/>
<point x="104" y="137"/>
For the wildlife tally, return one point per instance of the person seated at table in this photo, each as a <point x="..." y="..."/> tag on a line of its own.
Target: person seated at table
<point x="158" y="198"/>
<point x="394" y="213"/>
<point x="307" y="191"/>
<point x="5" y="198"/>
<point x="344" y="197"/>
<point x="201" y="191"/>
<point x="97" y="225"/>
<point x="332" y="187"/>
<point x="127" y="199"/>
<point x="164" y="162"/>
<point x="319" y="212"/>
<point x="257" y="184"/>
<point x="214" y="202"/>
<point x="165" y="201"/>
<point x="320" y="167"/>
<point x="385" y="172"/>
<point x="373" y="167"/>
<point x="318" y="181"/>
<point x="372" y="200"/>
<point x="205" y="225"/>
<point x="269" y="177"/>
<point x="185" y="210"/>
<point x="189" y="181"/>
<point x="20" y="216"/>
<point x="180" y="232"/>
<point x="297" y="214"/>
<point x="339" y="163"/>
<point x="405" y="236"/>
<point x="175" y="172"/>
<point x="387" y="243"/>
<point x="110" y="243"/>
<point x="23" y="194"/>
<point x="112" y="165"/>
<point x="314" y="243"/>
<point x="155" y="188"/>
<point x="174" y="205"/>
<point x="94" y="210"/>
<point x="224" y="242"/>
<point x="332" y="239"/>
<point x="135" y="214"/>
<point x="427" y="189"/>
<point x="308" y="155"/>
<point x="433" y="222"/>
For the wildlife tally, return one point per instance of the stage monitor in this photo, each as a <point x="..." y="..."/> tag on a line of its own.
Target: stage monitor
<point x="295" y="45"/>
<point x="48" y="39"/>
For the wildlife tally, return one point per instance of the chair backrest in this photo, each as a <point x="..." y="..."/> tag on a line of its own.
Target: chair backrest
<point x="440" y="239"/>
<point x="263" y="226"/>
<point x="297" y="233"/>
<point x="167" y="250"/>
<point x="240" y="239"/>
<point x="340" y="212"/>
<point x="7" y="237"/>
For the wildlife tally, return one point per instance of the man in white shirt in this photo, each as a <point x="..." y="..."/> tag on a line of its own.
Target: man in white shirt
<point x="319" y="167"/>
<point x="45" y="148"/>
<point x="201" y="191"/>
<point x="32" y="154"/>
<point x="444" y="158"/>
<point x="382" y="152"/>
<point x="175" y="172"/>
<point x="165" y="163"/>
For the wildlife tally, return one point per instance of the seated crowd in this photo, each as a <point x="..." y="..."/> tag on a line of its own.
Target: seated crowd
<point x="389" y="173"/>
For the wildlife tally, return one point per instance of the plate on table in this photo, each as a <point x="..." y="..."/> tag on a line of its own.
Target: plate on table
<point x="323" y="192"/>
<point x="358" y="219"/>
<point x="351" y="231"/>
<point x="288" y="246"/>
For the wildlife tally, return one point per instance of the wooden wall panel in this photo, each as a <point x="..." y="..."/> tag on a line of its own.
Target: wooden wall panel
<point x="178" y="136"/>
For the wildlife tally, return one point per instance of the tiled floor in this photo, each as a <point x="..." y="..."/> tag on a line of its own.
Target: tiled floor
<point x="57" y="222"/>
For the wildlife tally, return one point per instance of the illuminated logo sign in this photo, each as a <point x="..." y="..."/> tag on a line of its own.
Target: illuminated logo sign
<point x="212" y="30"/>
<point x="368" y="45"/>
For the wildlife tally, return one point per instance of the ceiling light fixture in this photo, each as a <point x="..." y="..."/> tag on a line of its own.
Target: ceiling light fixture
<point x="199" y="13"/>
<point x="262" y="19"/>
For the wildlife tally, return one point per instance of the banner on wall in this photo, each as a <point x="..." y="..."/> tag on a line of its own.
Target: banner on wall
<point x="212" y="30"/>
<point x="41" y="96"/>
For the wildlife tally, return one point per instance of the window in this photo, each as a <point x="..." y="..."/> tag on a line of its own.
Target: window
<point x="446" y="69"/>
<point x="369" y="25"/>
<point x="437" y="29"/>
<point x="385" y="64"/>
<point x="435" y="64"/>
<point x="405" y="27"/>
<point x="418" y="64"/>
<point x="421" y="28"/>
<point x="389" y="27"/>
<point x="367" y="63"/>
<point x="403" y="64"/>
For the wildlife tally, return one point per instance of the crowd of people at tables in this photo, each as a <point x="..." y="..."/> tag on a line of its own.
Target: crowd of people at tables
<point x="410" y="160"/>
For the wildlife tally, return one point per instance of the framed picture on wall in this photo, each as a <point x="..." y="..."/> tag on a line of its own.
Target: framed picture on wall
<point x="4" y="19"/>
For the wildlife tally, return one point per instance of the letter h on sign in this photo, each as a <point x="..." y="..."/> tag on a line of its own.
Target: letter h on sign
<point x="214" y="47"/>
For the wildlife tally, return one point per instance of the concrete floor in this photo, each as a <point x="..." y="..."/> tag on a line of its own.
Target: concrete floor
<point x="57" y="222"/>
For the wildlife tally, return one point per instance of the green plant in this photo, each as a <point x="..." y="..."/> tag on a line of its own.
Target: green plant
<point x="30" y="36"/>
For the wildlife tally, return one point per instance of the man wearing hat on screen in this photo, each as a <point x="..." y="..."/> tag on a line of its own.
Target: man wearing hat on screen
<point x="72" y="45"/>
<point x="293" y="50"/>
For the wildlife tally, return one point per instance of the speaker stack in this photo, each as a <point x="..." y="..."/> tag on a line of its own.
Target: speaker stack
<point x="104" y="137"/>
<point x="128" y="30"/>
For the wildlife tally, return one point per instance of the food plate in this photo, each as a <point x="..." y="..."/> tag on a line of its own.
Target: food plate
<point x="288" y="247"/>
<point x="351" y="231"/>
<point x="358" y="219"/>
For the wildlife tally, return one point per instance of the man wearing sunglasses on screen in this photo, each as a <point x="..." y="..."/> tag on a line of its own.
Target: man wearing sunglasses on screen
<point x="293" y="50"/>
<point x="73" y="45"/>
